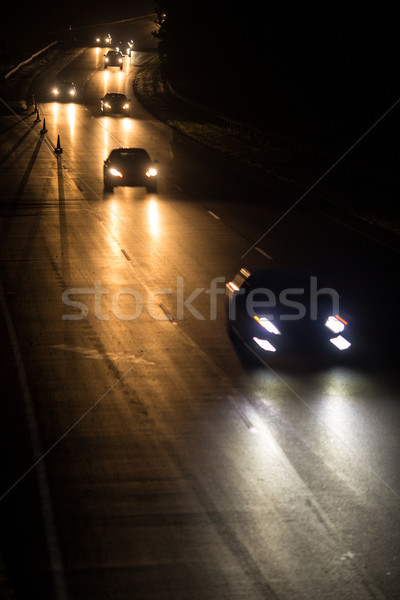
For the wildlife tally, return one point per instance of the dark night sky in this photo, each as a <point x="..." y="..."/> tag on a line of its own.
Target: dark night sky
<point x="40" y="17"/>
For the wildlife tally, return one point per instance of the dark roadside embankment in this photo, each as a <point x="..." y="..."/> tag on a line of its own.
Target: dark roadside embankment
<point x="341" y="184"/>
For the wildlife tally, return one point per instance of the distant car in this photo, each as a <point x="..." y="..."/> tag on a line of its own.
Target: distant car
<point x="287" y="313"/>
<point x="103" y="39"/>
<point x="115" y="103"/>
<point x="130" y="167"/>
<point x="113" y="58"/>
<point x="64" y="90"/>
<point x="125" y="47"/>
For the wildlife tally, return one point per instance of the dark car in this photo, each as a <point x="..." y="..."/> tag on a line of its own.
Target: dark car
<point x="130" y="167"/>
<point x="113" y="58"/>
<point x="126" y="47"/>
<point x="286" y="313"/>
<point x="63" y="90"/>
<point x="114" y="103"/>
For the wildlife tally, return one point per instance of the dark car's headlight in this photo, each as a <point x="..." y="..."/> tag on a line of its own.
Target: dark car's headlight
<point x="340" y="342"/>
<point x="337" y="324"/>
<point x="152" y="172"/>
<point x="264" y="344"/>
<point x="115" y="172"/>
<point x="267" y="324"/>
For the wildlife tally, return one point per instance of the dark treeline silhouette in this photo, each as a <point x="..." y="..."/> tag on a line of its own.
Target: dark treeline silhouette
<point x="282" y="61"/>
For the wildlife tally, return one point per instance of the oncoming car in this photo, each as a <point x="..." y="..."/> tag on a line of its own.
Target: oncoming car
<point x="103" y="39"/>
<point x="130" y="167"/>
<point x="113" y="58"/>
<point x="63" y="90"/>
<point x="125" y="47"/>
<point x="114" y="103"/>
<point x="288" y="313"/>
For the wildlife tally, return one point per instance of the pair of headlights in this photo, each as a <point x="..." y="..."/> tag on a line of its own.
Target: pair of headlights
<point x="334" y="322"/>
<point x="70" y="92"/>
<point x="125" y="106"/>
<point x="152" y="172"/>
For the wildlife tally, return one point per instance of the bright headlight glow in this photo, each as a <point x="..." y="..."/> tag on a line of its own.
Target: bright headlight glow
<point x="107" y="105"/>
<point x="340" y="342"/>
<point x="335" y="323"/>
<point x="97" y="39"/>
<point x="267" y="324"/>
<point x="107" y="59"/>
<point x="115" y="173"/>
<point x="55" y="91"/>
<point x="72" y="92"/>
<point x="264" y="344"/>
<point x="120" y="60"/>
<point x="151" y="172"/>
<point x="125" y="106"/>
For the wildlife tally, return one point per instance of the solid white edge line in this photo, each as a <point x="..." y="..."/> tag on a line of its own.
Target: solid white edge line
<point x="53" y="546"/>
<point x="210" y="212"/>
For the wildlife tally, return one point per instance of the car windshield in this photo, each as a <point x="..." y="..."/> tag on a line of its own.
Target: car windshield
<point x="139" y="156"/>
<point x="115" y="97"/>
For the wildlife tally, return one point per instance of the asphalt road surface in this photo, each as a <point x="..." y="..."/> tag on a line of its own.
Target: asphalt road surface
<point x="143" y="455"/>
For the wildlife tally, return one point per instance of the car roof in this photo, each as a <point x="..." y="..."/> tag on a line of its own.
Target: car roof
<point x="285" y="279"/>
<point x="114" y="95"/>
<point x="113" y="52"/>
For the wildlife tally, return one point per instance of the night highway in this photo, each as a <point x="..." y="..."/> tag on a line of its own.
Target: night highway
<point x="146" y="454"/>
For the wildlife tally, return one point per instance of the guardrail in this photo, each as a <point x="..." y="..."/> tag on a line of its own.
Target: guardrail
<point x="24" y="62"/>
<point x="295" y="146"/>
<point x="357" y="175"/>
